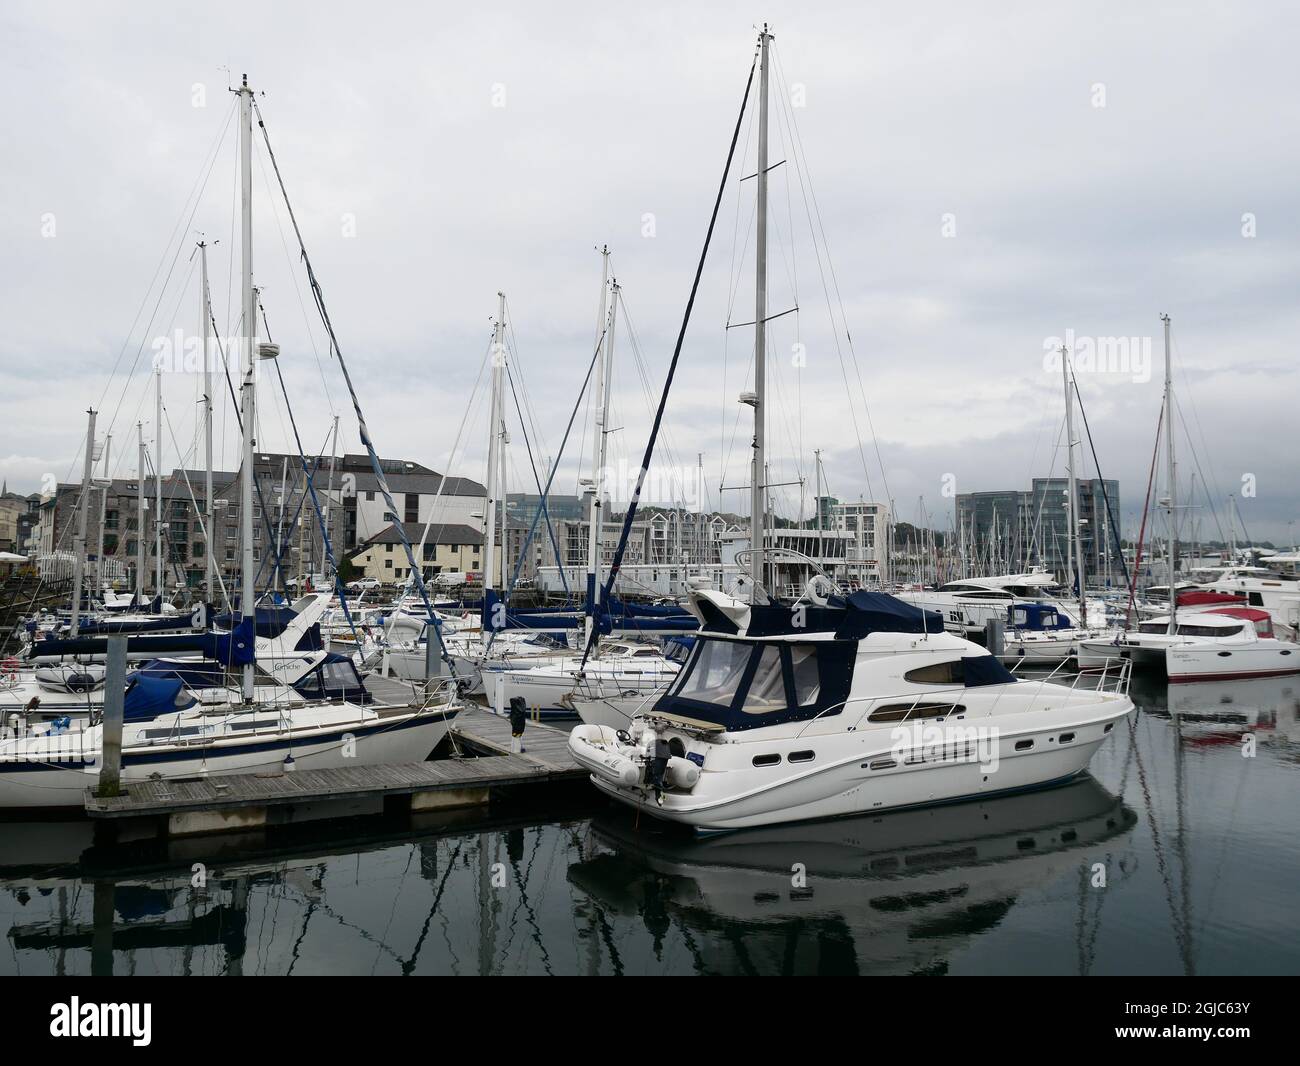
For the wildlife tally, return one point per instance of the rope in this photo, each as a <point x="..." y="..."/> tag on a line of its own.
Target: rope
<point x="319" y="297"/>
<point x="630" y="514"/>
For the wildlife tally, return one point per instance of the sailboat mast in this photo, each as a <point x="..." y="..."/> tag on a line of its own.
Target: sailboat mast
<point x="1073" y="538"/>
<point x="79" y="549"/>
<point x="758" y="508"/>
<point x="140" y="522"/>
<point x="247" y="398"/>
<point x="599" y="454"/>
<point x="1172" y="475"/>
<point x="210" y="567"/>
<point x="329" y="496"/>
<point x="103" y="513"/>
<point x="494" y="444"/>
<point x="157" y="470"/>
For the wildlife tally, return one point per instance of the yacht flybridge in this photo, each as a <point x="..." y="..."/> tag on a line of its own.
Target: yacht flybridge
<point x="868" y="706"/>
<point x="967" y="605"/>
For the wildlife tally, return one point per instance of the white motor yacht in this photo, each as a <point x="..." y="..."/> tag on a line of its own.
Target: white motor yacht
<point x="869" y="706"/>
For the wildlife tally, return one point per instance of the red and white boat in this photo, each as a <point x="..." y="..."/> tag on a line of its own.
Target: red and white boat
<point x="1219" y="644"/>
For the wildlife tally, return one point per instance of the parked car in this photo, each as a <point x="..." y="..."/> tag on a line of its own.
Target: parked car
<point x="364" y="584"/>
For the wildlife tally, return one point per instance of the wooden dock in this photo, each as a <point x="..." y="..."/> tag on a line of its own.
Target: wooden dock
<point x="481" y="762"/>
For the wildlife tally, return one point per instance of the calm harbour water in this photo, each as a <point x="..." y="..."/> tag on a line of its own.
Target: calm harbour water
<point x="1198" y="844"/>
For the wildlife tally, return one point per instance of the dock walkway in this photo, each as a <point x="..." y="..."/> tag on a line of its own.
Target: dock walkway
<point x="481" y="762"/>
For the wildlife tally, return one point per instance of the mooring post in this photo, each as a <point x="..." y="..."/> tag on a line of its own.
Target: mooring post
<point x="518" y="719"/>
<point x="432" y="660"/>
<point x="110" y="756"/>
<point x="994" y="629"/>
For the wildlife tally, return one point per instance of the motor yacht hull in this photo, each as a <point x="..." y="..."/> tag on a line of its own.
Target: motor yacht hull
<point x="859" y="772"/>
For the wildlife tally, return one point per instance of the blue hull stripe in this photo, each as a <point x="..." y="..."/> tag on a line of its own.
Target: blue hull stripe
<point x="199" y="754"/>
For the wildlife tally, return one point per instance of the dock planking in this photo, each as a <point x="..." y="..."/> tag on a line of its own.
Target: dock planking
<point x="486" y="762"/>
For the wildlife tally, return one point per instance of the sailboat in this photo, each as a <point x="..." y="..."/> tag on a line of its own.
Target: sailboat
<point x="834" y="705"/>
<point x="166" y="731"/>
<point x="1215" y="643"/>
<point x="1039" y="635"/>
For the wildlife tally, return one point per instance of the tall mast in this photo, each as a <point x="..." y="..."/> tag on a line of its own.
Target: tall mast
<point x="140" y="522"/>
<point x="103" y="513"/>
<point x="1074" y="540"/>
<point x="494" y="447"/>
<point x="157" y="470"/>
<point x="210" y="568"/>
<point x="757" y="507"/>
<point x="1172" y="475"/>
<point x="329" y="496"/>
<point x="79" y="549"/>
<point x="247" y="397"/>
<point x="595" y="506"/>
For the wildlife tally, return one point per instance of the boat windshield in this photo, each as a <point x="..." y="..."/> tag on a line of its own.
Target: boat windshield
<point x="715" y="675"/>
<point x="745" y="685"/>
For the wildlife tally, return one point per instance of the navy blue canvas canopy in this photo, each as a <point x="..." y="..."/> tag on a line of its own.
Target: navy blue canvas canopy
<point x="875" y="612"/>
<point x="1038" y="617"/>
<point x="849" y="618"/>
<point x="148" y="697"/>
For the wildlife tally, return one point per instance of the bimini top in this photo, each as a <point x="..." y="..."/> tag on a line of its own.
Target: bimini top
<point x="849" y="617"/>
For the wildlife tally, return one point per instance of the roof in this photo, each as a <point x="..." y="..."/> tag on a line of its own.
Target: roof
<point x="442" y="533"/>
<point x="426" y="484"/>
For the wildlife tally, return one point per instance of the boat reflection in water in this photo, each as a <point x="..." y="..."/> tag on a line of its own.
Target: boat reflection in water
<point x="889" y="893"/>
<point x="1213" y="713"/>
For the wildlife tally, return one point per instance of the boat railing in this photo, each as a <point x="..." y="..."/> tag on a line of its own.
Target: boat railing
<point x="1111" y="679"/>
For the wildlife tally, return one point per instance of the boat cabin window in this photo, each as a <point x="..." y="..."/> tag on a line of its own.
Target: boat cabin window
<point x="949" y="673"/>
<point x="970" y="671"/>
<point x="911" y="712"/>
<point x="803" y="672"/>
<point x="1153" y="627"/>
<point x="1208" y="631"/>
<point x="767" y="689"/>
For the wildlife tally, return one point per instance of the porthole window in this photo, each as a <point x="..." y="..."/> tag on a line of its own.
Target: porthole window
<point x="1024" y="745"/>
<point x="766" y="760"/>
<point x="800" y="756"/>
<point x="1066" y="738"/>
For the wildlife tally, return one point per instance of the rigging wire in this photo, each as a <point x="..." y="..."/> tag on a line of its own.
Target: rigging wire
<point x="630" y="514"/>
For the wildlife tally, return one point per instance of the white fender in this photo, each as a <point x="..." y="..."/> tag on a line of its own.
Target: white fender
<point x="681" y="773"/>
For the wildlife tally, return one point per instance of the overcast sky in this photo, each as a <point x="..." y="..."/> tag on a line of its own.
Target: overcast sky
<point x="986" y="178"/>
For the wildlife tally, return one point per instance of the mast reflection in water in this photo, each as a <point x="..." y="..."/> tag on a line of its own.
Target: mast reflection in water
<point x="1186" y="822"/>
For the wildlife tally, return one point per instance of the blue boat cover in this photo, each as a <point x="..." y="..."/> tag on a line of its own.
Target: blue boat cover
<point x="876" y="612"/>
<point x="148" y="697"/>
<point x="1037" y="617"/>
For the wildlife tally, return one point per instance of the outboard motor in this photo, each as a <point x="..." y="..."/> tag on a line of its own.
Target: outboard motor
<point x="655" y="768"/>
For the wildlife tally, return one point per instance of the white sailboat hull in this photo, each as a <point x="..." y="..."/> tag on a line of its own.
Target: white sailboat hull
<point x="1210" y="662"/>
<point x="35" y="783"/>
